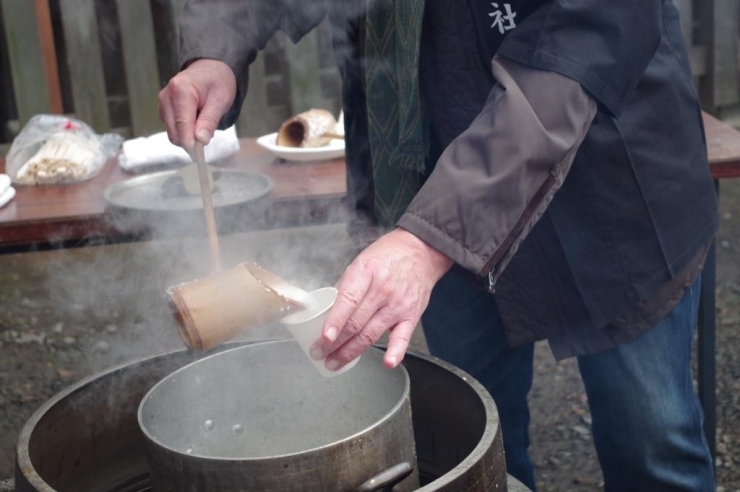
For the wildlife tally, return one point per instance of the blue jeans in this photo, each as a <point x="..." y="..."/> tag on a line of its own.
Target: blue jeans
<point x="647" y="422"/>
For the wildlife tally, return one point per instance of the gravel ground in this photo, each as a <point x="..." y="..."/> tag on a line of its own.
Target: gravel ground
<point x="68" y="314"/>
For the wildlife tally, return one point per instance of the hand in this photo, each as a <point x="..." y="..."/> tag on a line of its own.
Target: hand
<point x="387" y="287"/>
<point x="194" y="101"/>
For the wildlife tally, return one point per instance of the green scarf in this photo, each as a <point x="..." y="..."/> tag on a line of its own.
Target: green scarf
<point x="397" y="130"/>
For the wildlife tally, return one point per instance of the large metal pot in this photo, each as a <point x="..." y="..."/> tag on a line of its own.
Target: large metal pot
<point x="86" y="438"/>
<point x="260" y="417"/>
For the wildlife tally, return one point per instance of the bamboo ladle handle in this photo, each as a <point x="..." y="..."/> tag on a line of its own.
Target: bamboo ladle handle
<point x="205" y="191"/>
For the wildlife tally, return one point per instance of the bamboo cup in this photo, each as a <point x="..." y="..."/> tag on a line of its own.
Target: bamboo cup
<point x="215" y="309"/>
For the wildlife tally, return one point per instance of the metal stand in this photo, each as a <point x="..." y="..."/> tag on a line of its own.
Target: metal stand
<point x="706" y="348"/>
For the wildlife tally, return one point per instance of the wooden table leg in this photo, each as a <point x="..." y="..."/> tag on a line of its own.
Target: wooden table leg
<point x="706" y="348"/>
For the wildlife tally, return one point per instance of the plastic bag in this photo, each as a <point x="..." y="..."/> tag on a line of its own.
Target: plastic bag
<point x="55" y="149"/>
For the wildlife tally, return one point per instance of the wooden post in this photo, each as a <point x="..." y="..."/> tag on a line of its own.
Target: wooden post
<point x="696" y="52"/>
<point x="49" y="52"/>
<point x="719" y="33"/>
<point x="140" y="58"/>
<point x="726" y="90"/>
<point x="303" y="66"/>
<point x="268" y="99"/>
<point x="26" y="59"/>
<point x="85" y="63"/>
<point x="706" y="88"/>
<point x="7" y="101"/>
<point x="252" y="119"/>
<point x="166" y="15"/>
<point x="685" y="9"/>
<point x="330" y="82"/>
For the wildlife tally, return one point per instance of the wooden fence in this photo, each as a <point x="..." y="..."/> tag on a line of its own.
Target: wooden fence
<point x="710" y="28"/>
<point x="104" y="61"/>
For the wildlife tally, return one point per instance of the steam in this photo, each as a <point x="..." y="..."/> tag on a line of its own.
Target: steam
<point x="123" y="286"/>
<point x="118" y="291"/>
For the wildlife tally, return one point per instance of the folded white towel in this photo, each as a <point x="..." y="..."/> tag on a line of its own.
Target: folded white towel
<point x="340" y="124"/>
<point x="5" y="183"/>
<point x="6" y="196"/>
<point x="155" y="150"/>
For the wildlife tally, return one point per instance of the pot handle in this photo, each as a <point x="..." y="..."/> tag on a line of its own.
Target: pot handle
<point x="385" y="480"/>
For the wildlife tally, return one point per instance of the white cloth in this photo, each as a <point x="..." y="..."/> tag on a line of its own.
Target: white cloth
<point x="6" y="196"/>
<point x="143" y="152"/>
<point x="340" y="124"/>
<point x="5" y="183"/>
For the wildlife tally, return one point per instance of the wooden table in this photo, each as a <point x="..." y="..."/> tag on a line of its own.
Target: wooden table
<point x="75" y="215"/>
<point x="723" y="148"/>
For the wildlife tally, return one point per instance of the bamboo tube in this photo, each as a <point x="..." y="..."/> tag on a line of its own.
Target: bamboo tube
<point x="217" y="308"/>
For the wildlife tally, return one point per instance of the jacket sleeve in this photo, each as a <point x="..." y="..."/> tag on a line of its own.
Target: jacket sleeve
<point x="234" y="31"/>
<point x="496" y="179"/>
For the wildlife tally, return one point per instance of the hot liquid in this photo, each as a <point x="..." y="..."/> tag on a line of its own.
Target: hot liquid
<point x="289" y="292"/>
<point x="301" y="297"/>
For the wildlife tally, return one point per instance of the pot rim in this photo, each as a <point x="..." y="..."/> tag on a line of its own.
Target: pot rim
<point x="405" y="396"/>
<point x="492" y="428"/>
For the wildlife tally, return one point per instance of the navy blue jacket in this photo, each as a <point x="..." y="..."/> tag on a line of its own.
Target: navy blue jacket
<point x="638" y="202"/>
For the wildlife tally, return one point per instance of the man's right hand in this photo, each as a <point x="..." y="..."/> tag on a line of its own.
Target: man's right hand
<point x="194" y="101"/>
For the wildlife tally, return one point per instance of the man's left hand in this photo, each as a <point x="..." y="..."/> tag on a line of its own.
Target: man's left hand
<point x="387" y="287"/>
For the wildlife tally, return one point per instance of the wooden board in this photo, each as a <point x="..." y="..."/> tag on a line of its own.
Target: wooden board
<point x="140" y="58"/>
<point x="330" y="81"/>
<point x="261" y="115"/>
<point x="166" y="18"/>
<point x="719" y="85"/>
<point x="725" y="59"/>
<point x="685" y="9"/>
<point x="255" y="115"/>
<point x="85" y="63"/>
<point x="303" y="66"/>
<point x="26" y="59"/>
<point x="698" y="61"/>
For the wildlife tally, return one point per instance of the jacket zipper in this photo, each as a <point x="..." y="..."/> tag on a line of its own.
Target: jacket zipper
<point x="492" y="278"/>
<point x="490" y="269"/>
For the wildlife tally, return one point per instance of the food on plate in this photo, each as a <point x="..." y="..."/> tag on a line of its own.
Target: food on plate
<point x="64" y="157"/>
<point x="314" y="128"/>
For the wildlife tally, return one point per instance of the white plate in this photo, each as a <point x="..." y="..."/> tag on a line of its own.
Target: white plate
<point x="334" y="150"/>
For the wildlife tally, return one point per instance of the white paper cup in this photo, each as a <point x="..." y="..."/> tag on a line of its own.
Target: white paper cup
<point x="306" y="325"/>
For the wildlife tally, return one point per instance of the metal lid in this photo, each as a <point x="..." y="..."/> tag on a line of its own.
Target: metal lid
<point x="163" y="191"/>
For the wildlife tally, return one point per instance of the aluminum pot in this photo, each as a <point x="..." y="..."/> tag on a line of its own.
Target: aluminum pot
<point x="259" y="417"/>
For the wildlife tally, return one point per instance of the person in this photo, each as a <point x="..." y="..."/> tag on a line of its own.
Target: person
<point x="518" y="170"/>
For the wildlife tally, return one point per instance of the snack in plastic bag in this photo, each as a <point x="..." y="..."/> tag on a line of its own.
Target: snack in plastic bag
<point x="55" y="149"/>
